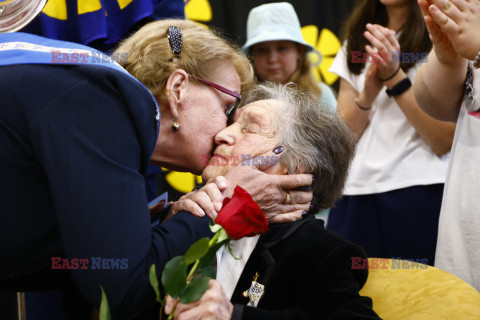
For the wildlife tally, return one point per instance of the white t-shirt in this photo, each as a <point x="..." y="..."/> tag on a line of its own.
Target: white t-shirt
<point x="458" y="244"/>
<point x="390" y="154"/>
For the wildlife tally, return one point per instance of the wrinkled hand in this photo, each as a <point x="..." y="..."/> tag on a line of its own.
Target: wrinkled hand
<point x="386" y="43"/>
<point x="269" y="191"/>
<point x="442" y="45"/>
<point x="206" y="200"/>
<point x="459" y="20"/>
<point x="214" y="305"/>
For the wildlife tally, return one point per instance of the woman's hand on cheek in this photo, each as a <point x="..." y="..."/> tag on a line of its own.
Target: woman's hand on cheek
<point x="270" y="192"/>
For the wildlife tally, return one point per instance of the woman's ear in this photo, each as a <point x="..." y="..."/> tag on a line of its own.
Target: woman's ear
<point x="176" y="88"/>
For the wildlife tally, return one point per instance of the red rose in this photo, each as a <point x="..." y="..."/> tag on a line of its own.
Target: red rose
<point x="241" y="217"/>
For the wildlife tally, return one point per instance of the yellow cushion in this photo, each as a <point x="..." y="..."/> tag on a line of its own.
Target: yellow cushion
<point x="401" y="290"/>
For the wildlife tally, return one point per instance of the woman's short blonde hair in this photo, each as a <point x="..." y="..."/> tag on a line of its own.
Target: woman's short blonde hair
<point x="149" y="58"/>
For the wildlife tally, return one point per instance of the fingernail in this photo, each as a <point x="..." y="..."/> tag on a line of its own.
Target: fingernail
<point x="218" y="206"/>
<point x="278" y="150"/>
<point x="304" y="213"/>
<point x="433" y="8"/>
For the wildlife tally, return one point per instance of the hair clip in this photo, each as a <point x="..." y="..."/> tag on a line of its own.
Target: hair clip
<point x="174" y="35"/>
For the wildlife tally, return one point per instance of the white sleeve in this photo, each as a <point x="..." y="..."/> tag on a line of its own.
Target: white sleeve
<point x="340" y="68"/>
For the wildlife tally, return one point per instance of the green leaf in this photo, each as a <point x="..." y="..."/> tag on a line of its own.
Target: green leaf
<point x="104" y="308"/>
<point x="196" y="251"/>
<point x="174" y="276"/>
<point x="209" y="271"/>
<point x="154" y="282"/>
<point x="208" y="258"/>
<point x="195" y="289"/>
<point x="215" y="228"/>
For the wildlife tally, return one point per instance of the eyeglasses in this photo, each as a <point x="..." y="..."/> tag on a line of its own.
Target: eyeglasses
<point x="175" y="39"/>
<point x="231" y="110"/>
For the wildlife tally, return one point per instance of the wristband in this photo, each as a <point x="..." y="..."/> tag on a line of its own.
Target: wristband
<point x="361" y="107"/>
<point x="399" y="88"/>
<point x="393" y="75"/>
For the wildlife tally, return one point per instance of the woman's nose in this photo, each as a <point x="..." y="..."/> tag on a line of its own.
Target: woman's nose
<point x="226" y="136"/>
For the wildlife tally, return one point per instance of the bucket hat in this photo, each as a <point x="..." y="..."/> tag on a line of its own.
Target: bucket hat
<point x="16" y="14"/>
<point x="274" y="22"/>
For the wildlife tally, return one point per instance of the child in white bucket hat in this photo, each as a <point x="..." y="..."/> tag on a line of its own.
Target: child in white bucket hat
<point x="279" y="52"/>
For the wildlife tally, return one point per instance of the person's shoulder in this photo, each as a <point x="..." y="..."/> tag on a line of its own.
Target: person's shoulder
<point x="312" y="236"/>
<point x="58" y="77"/>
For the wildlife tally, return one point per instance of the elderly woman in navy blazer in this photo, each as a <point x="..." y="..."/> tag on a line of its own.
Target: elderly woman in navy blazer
<point x="299" y="269"/>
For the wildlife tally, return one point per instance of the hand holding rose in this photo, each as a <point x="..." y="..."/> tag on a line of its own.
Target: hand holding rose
<point x="213" y="305"/>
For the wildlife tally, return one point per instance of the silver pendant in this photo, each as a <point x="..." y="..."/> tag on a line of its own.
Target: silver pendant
<point x="255" y="292"/>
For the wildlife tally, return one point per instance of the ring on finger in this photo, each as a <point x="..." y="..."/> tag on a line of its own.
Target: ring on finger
<point x="288" y="199"/>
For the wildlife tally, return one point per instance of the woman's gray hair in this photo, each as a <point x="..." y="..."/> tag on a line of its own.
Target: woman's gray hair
<point x="314" y="137"/>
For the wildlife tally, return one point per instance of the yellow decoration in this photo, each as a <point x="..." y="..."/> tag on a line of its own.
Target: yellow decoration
<point x="86" y="6"/>
<point x="420" y="294"/>
<point x="56" y="9"/>
<point x="328" y="45"/>
<point x="328" y="77"/>
<point x="123" y="3"/>
<point x="199" y="10"/>
<point x="183" y="182"/>
<point x="310" y="34"/>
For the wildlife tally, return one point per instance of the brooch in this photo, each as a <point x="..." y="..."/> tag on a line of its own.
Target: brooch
<point x="255" y="292"/>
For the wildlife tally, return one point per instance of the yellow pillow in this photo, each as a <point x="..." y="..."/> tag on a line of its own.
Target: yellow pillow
<point x="403" y="290"/>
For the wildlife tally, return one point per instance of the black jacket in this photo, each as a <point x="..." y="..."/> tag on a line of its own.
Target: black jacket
<point x="307" y="274"/>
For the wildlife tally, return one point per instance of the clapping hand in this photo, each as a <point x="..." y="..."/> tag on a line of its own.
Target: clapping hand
<point x="386" y="44"/>
<point x="454" y="27"/>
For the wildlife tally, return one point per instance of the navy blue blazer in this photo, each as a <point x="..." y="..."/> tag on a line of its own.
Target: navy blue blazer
<point x="75" y="143"/>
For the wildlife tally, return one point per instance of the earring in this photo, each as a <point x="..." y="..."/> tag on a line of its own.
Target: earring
<point x="175" y="125"/>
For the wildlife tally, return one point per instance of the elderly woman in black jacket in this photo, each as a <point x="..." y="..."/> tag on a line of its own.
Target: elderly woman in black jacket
<point x="299" y="270"/>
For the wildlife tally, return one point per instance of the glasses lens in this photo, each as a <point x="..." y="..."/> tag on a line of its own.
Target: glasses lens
<point x="231" y="111"/>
